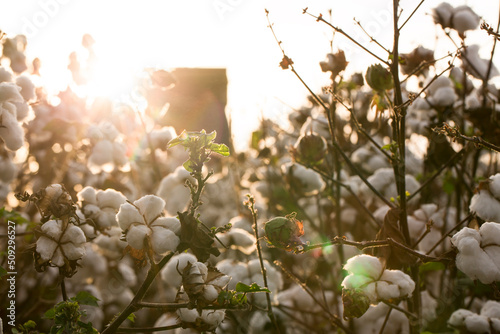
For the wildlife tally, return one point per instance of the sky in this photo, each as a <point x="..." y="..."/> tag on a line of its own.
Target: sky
<point x="231" y="34"/>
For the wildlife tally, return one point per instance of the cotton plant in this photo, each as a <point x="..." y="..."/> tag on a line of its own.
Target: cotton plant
<point x="101" y="206"/>
<point x="487" y="321"/>
<point x="486" y="201"/>
<point x="369" y="282"/>
<point x="479" y="252"/>
<point x="108" y="151"/>
<point x="143" y="224"/>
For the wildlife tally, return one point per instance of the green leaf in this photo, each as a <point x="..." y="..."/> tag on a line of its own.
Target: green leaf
<point x="254" y="287"/>
<point x="220" y="149"/>
<point x="131" y="317"/>
<point x="50" y="314"/>
<point x="188" y="165"/>
<point x="3" y="272"/>
<point x="178" y="140"/>
<point x="85" y="298"/>
<point x="431" y="266"/>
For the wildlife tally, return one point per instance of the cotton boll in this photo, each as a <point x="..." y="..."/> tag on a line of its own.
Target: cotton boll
<point x="365" y="265"/>
<point x="45" y="247"/>
<point x="136" y="235"/>
<point x="87" y="194"/>
<point x="171" y="223"/>
<point x="119" y="153"/>
<point x="109" y="131"/>
<point x="442" y="14"/>
<point x="440" y="82"/>
<point x="57" y="258"/>
<point x="473" y="261"/>
<point x="464" y="19"/>
<point x="356" y="281"/>
<point x="73" y="234"/>
<point x="490" y="234"/>
<point x="52" y="228"/>
<point x="72" y="251"/>
<point x="10" y="130"/>
<point x="27" y="87"/>
<point x="491" y="309"/>
<point x="494" y="185"/>
<point x="444" y="96"/>
<point x="220" y="282"/>
<point x="150" y="206"/>
<point x="5" y="75"/>
<point x="9" y="92"/>
<point x="210" y="293"/>
<point x="213" y="317"/>
<point x="110" y="198"/>
<point x="485" y="206"/>
<point x="163" y="240"/>
<point x="170" y="275"/>
<point x="160" y="137"/>
<point x="307" y="180"/>
<point x="477" y="324"/>
<point x="404" y="283"/>
<point x="187" y="315"/>
<point x="458" y="317"/>
<point x="102" y="153"/>
<point x="127" y="215"/>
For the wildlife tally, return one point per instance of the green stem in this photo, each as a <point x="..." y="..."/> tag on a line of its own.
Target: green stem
<point x="270" y="313"/>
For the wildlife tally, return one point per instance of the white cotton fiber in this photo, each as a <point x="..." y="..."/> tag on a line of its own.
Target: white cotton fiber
<point x="491" y="309"/>
<point x="150" y="206"/>
<point x="163" y="240"/>
<point x="87" y="194"/>
<point x="365" y="265"/>
<point x="171" y="272"/>
<point x="464" y="19"/>
<point x="494" y="185"/>
<point x="476" y="323"/>
<point x="73" y="234"/>
<point x="136" y="235"/>
<point x="27" y="87"/>
<point x="127" y="215"/>
<point x="458" y="317"/>
<point x="10" y="130"/>
<point x="110" y="198"/>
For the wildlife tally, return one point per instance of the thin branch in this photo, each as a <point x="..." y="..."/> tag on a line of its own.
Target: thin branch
<point x="340" y="31"/>
<point x="412" y="13"/>
<point x="371" y="38"/>
<point x="251" y="206"/>
<point x="362" y="245"/>
<point x="455" y="134"/>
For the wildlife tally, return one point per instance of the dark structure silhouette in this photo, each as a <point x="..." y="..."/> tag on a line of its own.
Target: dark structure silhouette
<point x="197" y="101"/>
